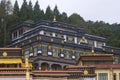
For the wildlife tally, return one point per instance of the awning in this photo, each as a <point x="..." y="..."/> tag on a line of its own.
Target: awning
<point x="10" y="61"/>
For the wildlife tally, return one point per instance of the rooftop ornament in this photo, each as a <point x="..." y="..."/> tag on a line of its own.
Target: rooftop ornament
<point x="93" y="49"/>
<point x="54" y="19"/>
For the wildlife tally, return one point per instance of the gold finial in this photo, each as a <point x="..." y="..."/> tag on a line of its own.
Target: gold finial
<point x="4" y="54"/>
<point x="93" y="49"/>
<point x="54" y="19"/>
<point x="85" y="72"/>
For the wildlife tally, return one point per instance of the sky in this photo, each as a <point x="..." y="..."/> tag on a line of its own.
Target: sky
<point x="94" y="10"/>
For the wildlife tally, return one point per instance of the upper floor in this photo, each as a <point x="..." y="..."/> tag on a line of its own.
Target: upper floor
<point x="69" y="33"/>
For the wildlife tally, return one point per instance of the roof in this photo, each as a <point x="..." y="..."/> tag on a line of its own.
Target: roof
<point x="106" y="66"/>
<point x="93" y="37"/>
<point x="63" y="73"/>
<point x="10" y="48"/>
<point x="50" y="58"/>
<point x="10" y="61"/>
<point x="98" y="57"/>
<point x="80" y="66"/>
<point x="21" y="24"/>
<point x="60" y="24"/>
<point x="112" y="49"/>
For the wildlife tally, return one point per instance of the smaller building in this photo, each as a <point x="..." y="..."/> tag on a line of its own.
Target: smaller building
<point x="11" y="64"/>
<point x="104" y="63"/>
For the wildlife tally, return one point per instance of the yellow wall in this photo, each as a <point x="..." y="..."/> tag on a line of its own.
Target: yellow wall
<point x="109" y="72"/>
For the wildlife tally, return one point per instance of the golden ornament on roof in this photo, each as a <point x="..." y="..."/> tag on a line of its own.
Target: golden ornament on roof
<point x="4" y="54"/>
<point x="85" y="72"/>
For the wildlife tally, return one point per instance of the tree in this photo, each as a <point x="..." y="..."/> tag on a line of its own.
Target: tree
<point x="63" y="17"/>
<point x="30" y="11"/>
<point x="49" y="14"/>
<point x="16" y="12"/>
<point x="38" y="13"/>
<point x="56" y="13"/>
<point x="76" y="20"/>
<point x="5" y="12"/>
<point x="24" y="11"/>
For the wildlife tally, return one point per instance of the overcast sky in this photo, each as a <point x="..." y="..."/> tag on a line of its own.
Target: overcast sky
<point x="105" y="10"/>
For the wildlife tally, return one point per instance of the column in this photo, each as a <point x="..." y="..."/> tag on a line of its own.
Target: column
<point x="110" y="76"/>
<point x="50" y="66"/>
<point x="39" y="64"/>
<point x="117" y="76"/>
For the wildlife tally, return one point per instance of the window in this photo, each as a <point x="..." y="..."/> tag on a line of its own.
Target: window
<point x="60" y="36"/>
<point x="99" y="44"/>
<point x="67" y="53"/>
<point x="102" y="76"/>
<point x="70" y="39"/>
<point x="20" y="32"/>
<point x="90" y="42"/>
<point x="15" y="34"/>
<point x="55" y="51"/>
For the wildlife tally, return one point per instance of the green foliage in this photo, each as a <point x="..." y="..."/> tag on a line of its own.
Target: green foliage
<point x="30" y="10"/>
<point x="10" y="16"/>
<point x="76" y="20"/>
<point x="64" y="17"/>
<point x="38" y="13"/>
<point x="49" y="14"/>
<point x="16" y="13"/>
<point x="24" y="11"/>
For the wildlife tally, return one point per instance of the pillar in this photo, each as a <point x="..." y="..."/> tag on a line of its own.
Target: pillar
<point x="110" y="74"/>
<point x="39" y="65"/>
